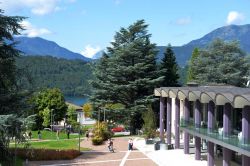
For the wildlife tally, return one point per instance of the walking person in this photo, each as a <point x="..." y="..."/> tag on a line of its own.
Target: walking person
<point x="39" y="134"/>
<point x="110" y="145"/>
<point x="130" y="144"/>
<point x="68" y="132"/>
<point x="30" y="135"/>
<point x="87" y="135"/>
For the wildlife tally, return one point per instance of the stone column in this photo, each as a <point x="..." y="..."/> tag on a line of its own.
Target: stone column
<point x="197" y="116"/>
<point x="227" y="120"/>
<point x="226" y="156"/>
<point x="245" y="132"/>
<point x="186" y="121"/>
<point x="162" y="110"/>
<point x="177" y="123"/>
<point x="197" y="125"/>
<point x="169" y="110"/>
<point x="210" y="127"/>
<point x="226" y="132"/>
<point x="210" y="116"/>
<point x="210" y="154"/>
<point x="197" y="142"/>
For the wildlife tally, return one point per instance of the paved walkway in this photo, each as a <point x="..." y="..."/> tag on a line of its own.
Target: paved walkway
<point x="143" y="155"/>
<point x="175" y="156"/>
<point x="100" y="156"/>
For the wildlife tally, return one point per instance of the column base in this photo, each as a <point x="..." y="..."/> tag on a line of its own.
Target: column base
<point x="197" y="148"/>
<point x="186" y="143"/>
<point x="226" y="157"/>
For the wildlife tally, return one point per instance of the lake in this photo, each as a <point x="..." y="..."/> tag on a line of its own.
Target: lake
<point x="76" y="100"/>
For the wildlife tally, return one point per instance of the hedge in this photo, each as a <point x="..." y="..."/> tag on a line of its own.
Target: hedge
<point x="46" y="154"/>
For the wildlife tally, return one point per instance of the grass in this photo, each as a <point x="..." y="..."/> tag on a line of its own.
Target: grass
<point x="52" y="135"/>
<point x="58" y="144"/>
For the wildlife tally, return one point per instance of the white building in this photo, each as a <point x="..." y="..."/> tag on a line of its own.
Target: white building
<point x="81" y="118"/>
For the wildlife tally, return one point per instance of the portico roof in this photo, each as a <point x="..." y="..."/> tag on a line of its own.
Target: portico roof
<point x="238" y="97"/>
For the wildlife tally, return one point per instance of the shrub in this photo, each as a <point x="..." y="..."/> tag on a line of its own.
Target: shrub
<point x="101" y="130"/>
<point x="149" y="123"/>
<point x="97" y="140"/>
<point x="45" y="154"/>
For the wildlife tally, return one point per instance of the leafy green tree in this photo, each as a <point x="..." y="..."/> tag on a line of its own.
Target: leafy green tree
<point x="46" y="115"/>
<point x="223" y="63"/>
<point x="87" y="109"/>
<point x="72" y="118"/>
<point x="129" y="73"/>
<point x="191" y="67"/>
<point x="169" y="68"/>
<point x="52" y="101"/>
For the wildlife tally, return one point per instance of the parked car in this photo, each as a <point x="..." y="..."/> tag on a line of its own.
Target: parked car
<point x="48" y="129"/>
<point x="117" y="129"/>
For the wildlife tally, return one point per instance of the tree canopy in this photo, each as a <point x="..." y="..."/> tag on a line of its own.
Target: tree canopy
<point x="70" y="76"/>
<point x="221" y="63"/>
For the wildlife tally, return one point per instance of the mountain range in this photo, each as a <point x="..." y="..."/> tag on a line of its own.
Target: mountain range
<point x="37" y="46"/>
<point x="241" y="33"/>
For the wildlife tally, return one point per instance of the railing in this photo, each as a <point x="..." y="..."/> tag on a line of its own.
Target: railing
<point x="235" y="139"/>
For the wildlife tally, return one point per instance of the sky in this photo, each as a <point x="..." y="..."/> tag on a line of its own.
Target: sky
<point x="88" y="26"/>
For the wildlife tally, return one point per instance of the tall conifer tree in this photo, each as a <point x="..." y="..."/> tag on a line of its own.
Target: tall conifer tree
<point x="169" y="68"/>
<point x="191" y="67"/>
<point x="131" y="71"/>
<point x="12" y="101"/>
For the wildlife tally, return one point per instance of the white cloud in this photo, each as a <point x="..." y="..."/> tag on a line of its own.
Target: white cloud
<point x="183" y="21"/>
<point x="234" y="17"/>
<point x="90" y="51"/>
<point x="32" y="31"/>
<point x="38" y="7"/>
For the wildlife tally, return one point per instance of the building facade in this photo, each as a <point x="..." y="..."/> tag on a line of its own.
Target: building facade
<point x="217" y="116"/>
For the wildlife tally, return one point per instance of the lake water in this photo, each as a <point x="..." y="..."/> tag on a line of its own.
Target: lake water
<point x="76" y="100"/>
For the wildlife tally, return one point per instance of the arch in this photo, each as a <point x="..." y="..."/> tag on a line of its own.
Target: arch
<point x="173" y="93"/>
<point x="182" y="94"/>
<point x="206" y="97"/>
<point x="194" y="95"/>
<point x="164" y="92"/>
<point x="157" y="92"/>
<point x="222" y="99"/>
<point x="240" y="101"/>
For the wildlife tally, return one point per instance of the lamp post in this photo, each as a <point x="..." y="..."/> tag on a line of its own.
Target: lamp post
<point x="51" y="120"/>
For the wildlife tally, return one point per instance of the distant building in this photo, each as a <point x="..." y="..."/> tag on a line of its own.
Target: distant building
<point x="81" y="116"/>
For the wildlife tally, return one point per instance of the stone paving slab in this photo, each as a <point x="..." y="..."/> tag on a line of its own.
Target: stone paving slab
<point x="99" y="156"/>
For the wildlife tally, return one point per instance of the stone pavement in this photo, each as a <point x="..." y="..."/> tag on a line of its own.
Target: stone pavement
<point x="100" y="156"/>
<point x="175" y="156"/>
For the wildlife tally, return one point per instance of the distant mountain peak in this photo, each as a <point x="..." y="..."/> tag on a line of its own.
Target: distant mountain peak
<point x="39" y="46"/>
<point x="239" y="33"/>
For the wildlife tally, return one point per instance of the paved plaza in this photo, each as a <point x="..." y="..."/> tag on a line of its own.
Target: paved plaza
<point x="100" y="156"/>
<point x="143" y="154"/>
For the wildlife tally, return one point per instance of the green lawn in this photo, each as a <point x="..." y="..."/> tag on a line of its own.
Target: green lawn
<point x="52" y="135"/>
<point x="58" y="144"/>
